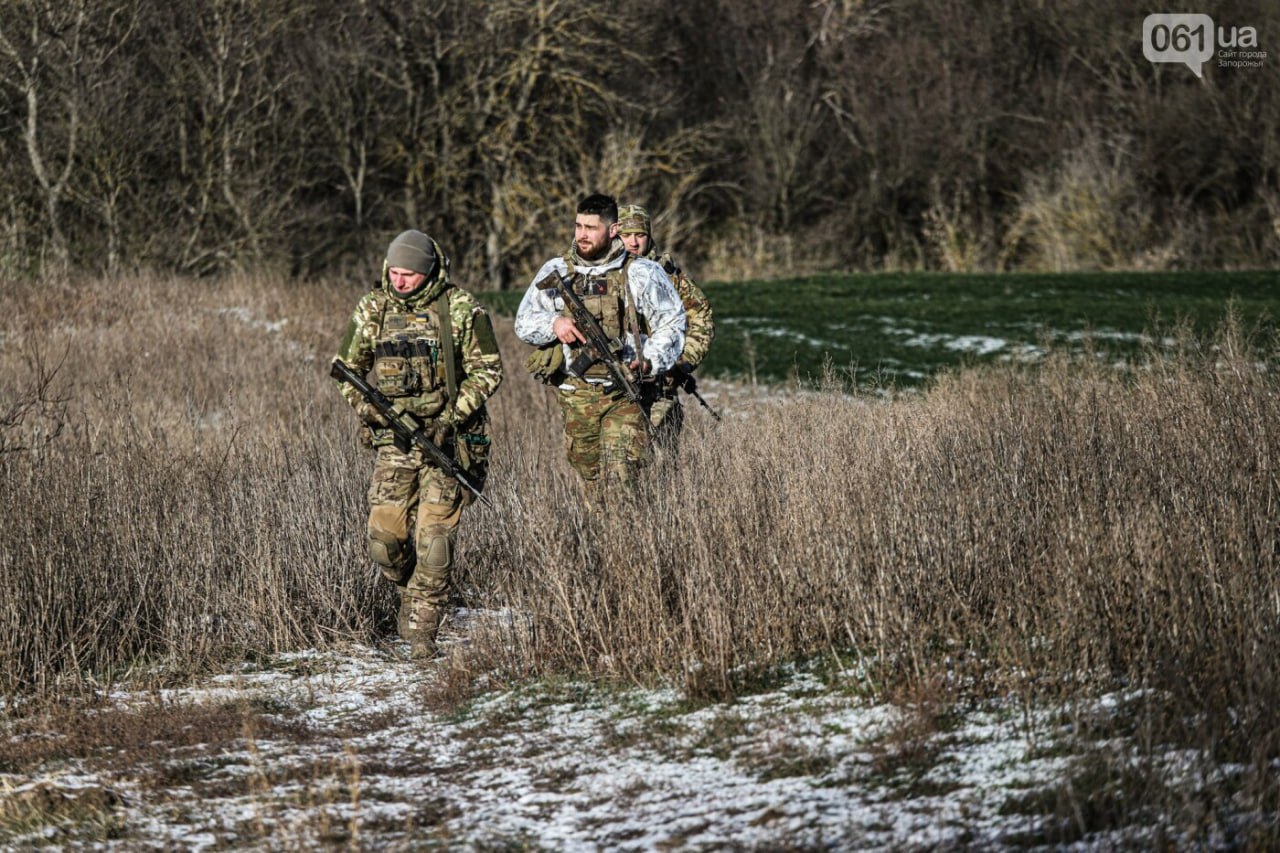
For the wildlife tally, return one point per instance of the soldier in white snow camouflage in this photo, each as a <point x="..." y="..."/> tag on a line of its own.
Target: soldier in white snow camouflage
<point x="606" y="436"/>
<point x="430" y="348"/>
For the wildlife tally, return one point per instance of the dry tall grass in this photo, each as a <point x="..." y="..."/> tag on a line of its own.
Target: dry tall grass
<point x="1049" y="533"/>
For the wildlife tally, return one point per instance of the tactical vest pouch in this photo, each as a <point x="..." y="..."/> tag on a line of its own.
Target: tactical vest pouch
<point x="473" y="451"/>
<point x="608" y="312"/>
<point x="427" y="405"/>
<point x="395" y="376"/>
<point x="546" y="363"/>
<point x="426" y="371"/>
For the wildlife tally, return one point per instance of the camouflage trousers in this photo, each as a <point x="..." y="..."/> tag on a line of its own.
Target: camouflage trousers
<point x="605" y="437"/>
<point x="414" y="510"/>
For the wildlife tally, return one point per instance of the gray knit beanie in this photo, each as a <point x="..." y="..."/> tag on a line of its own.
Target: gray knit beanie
<point x="412" y="250"/>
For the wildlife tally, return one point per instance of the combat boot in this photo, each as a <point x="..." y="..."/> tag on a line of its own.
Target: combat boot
<point x="417" y="623"/>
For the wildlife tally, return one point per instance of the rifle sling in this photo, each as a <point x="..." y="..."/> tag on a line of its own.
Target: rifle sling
<point x="444" y="322"/>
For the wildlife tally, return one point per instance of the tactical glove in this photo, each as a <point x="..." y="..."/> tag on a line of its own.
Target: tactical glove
<point x="445" y="422"/>
<point x="370" y="415"/>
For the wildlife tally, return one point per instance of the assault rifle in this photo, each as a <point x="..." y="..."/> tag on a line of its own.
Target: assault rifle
<point x="682" y="377"/>
<point x="598" y="343"/>
<point x="408" y="431"/>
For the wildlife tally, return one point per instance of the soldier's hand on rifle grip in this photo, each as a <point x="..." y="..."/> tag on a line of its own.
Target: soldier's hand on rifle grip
<point x="566" y="331"/>
<point x="369" y="413"/>
<point x="446" y="423"/>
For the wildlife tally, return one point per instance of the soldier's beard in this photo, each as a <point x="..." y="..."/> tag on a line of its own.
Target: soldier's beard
<point x="588" y="252"/>
<point x="603" y="254"/>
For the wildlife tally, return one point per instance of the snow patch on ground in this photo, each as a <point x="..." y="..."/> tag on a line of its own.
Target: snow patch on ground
<point x="570" y="767"/>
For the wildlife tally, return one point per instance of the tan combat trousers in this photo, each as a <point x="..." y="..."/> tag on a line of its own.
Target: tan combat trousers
<point x="414" y="510"/>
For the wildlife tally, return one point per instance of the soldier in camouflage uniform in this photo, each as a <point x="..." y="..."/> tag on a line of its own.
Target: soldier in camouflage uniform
<point x="665" y="410"/>
<point x="606" y="437"/>
<point x="429" y="347"/>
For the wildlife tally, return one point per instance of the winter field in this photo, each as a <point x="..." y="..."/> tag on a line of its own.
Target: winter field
<point x="1033" y="602"/>
<point x="899" y="329"/>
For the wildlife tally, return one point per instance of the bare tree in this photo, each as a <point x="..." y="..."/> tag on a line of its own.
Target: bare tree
<point x="203" y="136"/>
<point x="235" y="104"/>
<point x="341" y="66"/>
<point x="109" y="174"/>
<point x="535" y="109"/>
<point x="41" y="56"/>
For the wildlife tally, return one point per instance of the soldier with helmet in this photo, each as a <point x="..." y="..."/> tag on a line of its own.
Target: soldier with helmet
<point x="665" y="410"/>
<point x="636" y="306"/>
<point x="429" y="347"/>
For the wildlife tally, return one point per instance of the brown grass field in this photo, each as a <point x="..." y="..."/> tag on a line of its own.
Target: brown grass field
<point x="183" y="489"/>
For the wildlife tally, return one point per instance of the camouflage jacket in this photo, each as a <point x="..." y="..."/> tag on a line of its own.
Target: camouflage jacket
<point x="657" y="302"/>
<point x="399" y="340"/>
<point x="701" y="328"/>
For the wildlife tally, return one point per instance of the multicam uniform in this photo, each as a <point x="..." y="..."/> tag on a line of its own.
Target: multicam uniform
<point x="411" y="347"/>
<point x="605" y="433"/>
<point x="665" y="410"/>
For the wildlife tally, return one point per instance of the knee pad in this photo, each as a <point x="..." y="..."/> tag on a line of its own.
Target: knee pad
<point x="391" y="555"/>
<point x="435" y="561"/>
<point x="437" y="556"/>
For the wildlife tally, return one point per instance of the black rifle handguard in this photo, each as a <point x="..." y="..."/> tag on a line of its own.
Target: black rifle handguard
<point x="406" y="428"/>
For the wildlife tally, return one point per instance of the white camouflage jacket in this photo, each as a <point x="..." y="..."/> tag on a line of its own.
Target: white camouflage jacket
<point x="655" y="299"/>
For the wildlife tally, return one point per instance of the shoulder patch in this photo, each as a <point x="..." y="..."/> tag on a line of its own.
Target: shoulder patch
<point x="482" y="330"/>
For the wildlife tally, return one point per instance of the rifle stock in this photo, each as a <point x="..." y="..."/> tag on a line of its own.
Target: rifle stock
<point x="408" y="431"/>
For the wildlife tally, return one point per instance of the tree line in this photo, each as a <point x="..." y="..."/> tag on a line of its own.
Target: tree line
<point x="766" y="138"/>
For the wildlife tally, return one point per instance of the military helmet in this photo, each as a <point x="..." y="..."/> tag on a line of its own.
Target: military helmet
<point x="632" y="219"/>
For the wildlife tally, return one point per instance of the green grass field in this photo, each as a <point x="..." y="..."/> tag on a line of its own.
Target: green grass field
<point x="900" y="328"/>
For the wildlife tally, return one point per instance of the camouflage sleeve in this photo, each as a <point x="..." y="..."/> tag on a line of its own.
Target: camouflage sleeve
<point x="480" y="362"/>
<point x="356" y="348"/>
<point x="701" y="329"/>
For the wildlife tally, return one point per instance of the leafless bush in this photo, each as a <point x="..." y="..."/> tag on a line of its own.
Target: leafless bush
<point x="36" y="413"/>
<point x="1084" y="213"/>
<point x="953" y="229"/>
